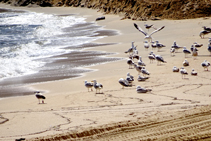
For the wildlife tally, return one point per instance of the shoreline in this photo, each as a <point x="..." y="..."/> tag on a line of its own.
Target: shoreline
<point x="70" y="107"/>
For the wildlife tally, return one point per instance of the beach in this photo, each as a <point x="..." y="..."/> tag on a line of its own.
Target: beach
<point x="175" y="109"/>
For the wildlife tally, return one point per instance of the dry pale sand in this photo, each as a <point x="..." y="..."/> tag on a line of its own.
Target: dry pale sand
<point x="175" y="109"/>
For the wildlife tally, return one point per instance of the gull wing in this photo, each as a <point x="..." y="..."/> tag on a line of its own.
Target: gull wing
<point x="139" y="29"/>
<point x="157" y="30"/>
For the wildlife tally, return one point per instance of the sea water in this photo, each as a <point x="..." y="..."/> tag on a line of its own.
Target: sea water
<point x="45" y="47"/>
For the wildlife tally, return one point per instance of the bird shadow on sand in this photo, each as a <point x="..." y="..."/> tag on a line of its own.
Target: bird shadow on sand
<point x="42" y="103"/>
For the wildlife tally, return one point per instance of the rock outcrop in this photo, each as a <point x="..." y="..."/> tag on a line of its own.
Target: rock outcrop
<point x="133" y="9"/>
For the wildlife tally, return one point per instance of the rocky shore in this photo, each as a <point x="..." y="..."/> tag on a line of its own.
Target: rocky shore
<point x="132" y="9"/>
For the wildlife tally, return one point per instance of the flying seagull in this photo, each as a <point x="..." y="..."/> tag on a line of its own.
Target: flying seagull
<point x="147" y="36"/>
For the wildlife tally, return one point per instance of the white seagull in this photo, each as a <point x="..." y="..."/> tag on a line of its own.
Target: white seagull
<point x="130" y="63"/>
<point x="39" y="96"/>
<point x="176" y="46"/>
<point x="97" y="86"/>
<point x="175" y="69"/>
<point x="193" y="72"/>
<point x="185" y="63"/>
<point x="144" y="71"/>
<point x="183" y="72"/>
<point x="138" y="68"/>
<point x="88" y="85"/>
<point x="146" y="45"/>
<point x="142" y="78"/>
<point x="139" y="89"/>
<point x="151" y="57"/>
<point x="205" y="64"/>
<point x="140" y="62"/>
<point x="147" y="36"/>
<point x="129" y="78"/>
<point x="159" y="45"/>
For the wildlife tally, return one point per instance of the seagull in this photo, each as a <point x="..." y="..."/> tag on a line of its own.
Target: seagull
<point x="194" y="51"/>
<point x="185" y="62"/>
<point x="193" y="47"/>
<point x="129" y="78"/>
<point x="148" y="26"/>
<point x="146" y="45"/>
<point x="209" y="48"/>
<point x="176" y="46"/>
<point x="139" y="89"/>
<point x="172" y="50"/>
<point x="193" y="72"/>
<point x="97" y="86"/>
<point x="159" y="45"/>
<point x="183" y="72"/>
<point x="88" y="85"/>
<point x="151" y="56"/>
<point x="203" y="33"/>
<point x="130" y="63"/>
<point x="159" y="59"/>
<point x="140" y="62"/>
<point x="147" y="36"/>
<point x="175" y="69"/>
<point x="207" y="28"/>
<point x="197" y="45"/>
<point x="138" y="68"/>
<point x="39" y="96"/>
<point x="142" y="78"/>
<point x="134" y="56"/>
<point x="130" y="50"/>
<point x="186" y="51"/>
<point x="205" y="64"/>
<point x="144" y="71"/>
<point x="153" y="45"/>
<point x="124" y="83"/>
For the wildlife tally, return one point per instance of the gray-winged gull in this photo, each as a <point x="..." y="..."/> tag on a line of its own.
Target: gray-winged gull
<point x="183" y="72"/>
<point x="138" y="68"/>
<point x="124" y="83"/>
<point x="186" y="51"/>
<point x="142" y="78"/>
<point x="176" y="46"/>
<point x="129" y="78"/>
<point x="197" y="44"/>
<point x="140" y="62"/>
<point x="159" y="59"/>
<point x="148" y="26"/>
<point x="145" y="71"/>
<point x="151" y="57"/>
<point x="97" y="86"/>
<point x="206" y="28"/>
<point x="203" y="33"/>
<point x="88" y="85"/>
<point x="131" y="49"/>
<point x="39" y="96"/>
<point x="159" y="45"/>
<point x="139" y="89"/>
<point x="147" y="36"/>
<point x="146" y="45"/>
<point x="205" y="64"/>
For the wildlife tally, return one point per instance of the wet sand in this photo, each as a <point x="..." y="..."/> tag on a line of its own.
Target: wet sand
<point x="175" y="109"/>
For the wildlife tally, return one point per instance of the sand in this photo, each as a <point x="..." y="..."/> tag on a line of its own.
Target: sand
<point x="175" y="109"/>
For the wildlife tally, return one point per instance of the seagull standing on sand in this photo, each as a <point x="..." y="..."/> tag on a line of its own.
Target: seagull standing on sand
<point x="147" y="36"/>
<point x="205" y="64"/>
<point x="146" y="45"/>
<point x="131" y="49"/>
<point x="139" y="89"/>
<point x="176" y="46"/>
<point x="151" y="57"/>
<point x="197" y="45"/>
<point x="129" y="78"/>
<point x="203" y="33"/>
<point x="186" y="51"/>
<point x="39" y="96"/>
<point x="138" y="68"/>
<point x="124" y="83"/>
<point x="97" y="86"/>
<point x="194" y="51"/>
<point x="183" y="72"/>
<point x="140" y="62"/>
<point x="144" y="71"/>
<point x="88" y="85"/>
<point x="175" y="69"/>
<point x="159" y="59"/>
<point x="193" y="72"/>
<point x="172" y="51"/>
<point x="185" y="63"/>
<point x="130" y="63"/>
<point x="159" y="45"/>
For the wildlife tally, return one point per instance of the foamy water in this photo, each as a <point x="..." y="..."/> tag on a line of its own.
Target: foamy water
<point x="26" y="38"/>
